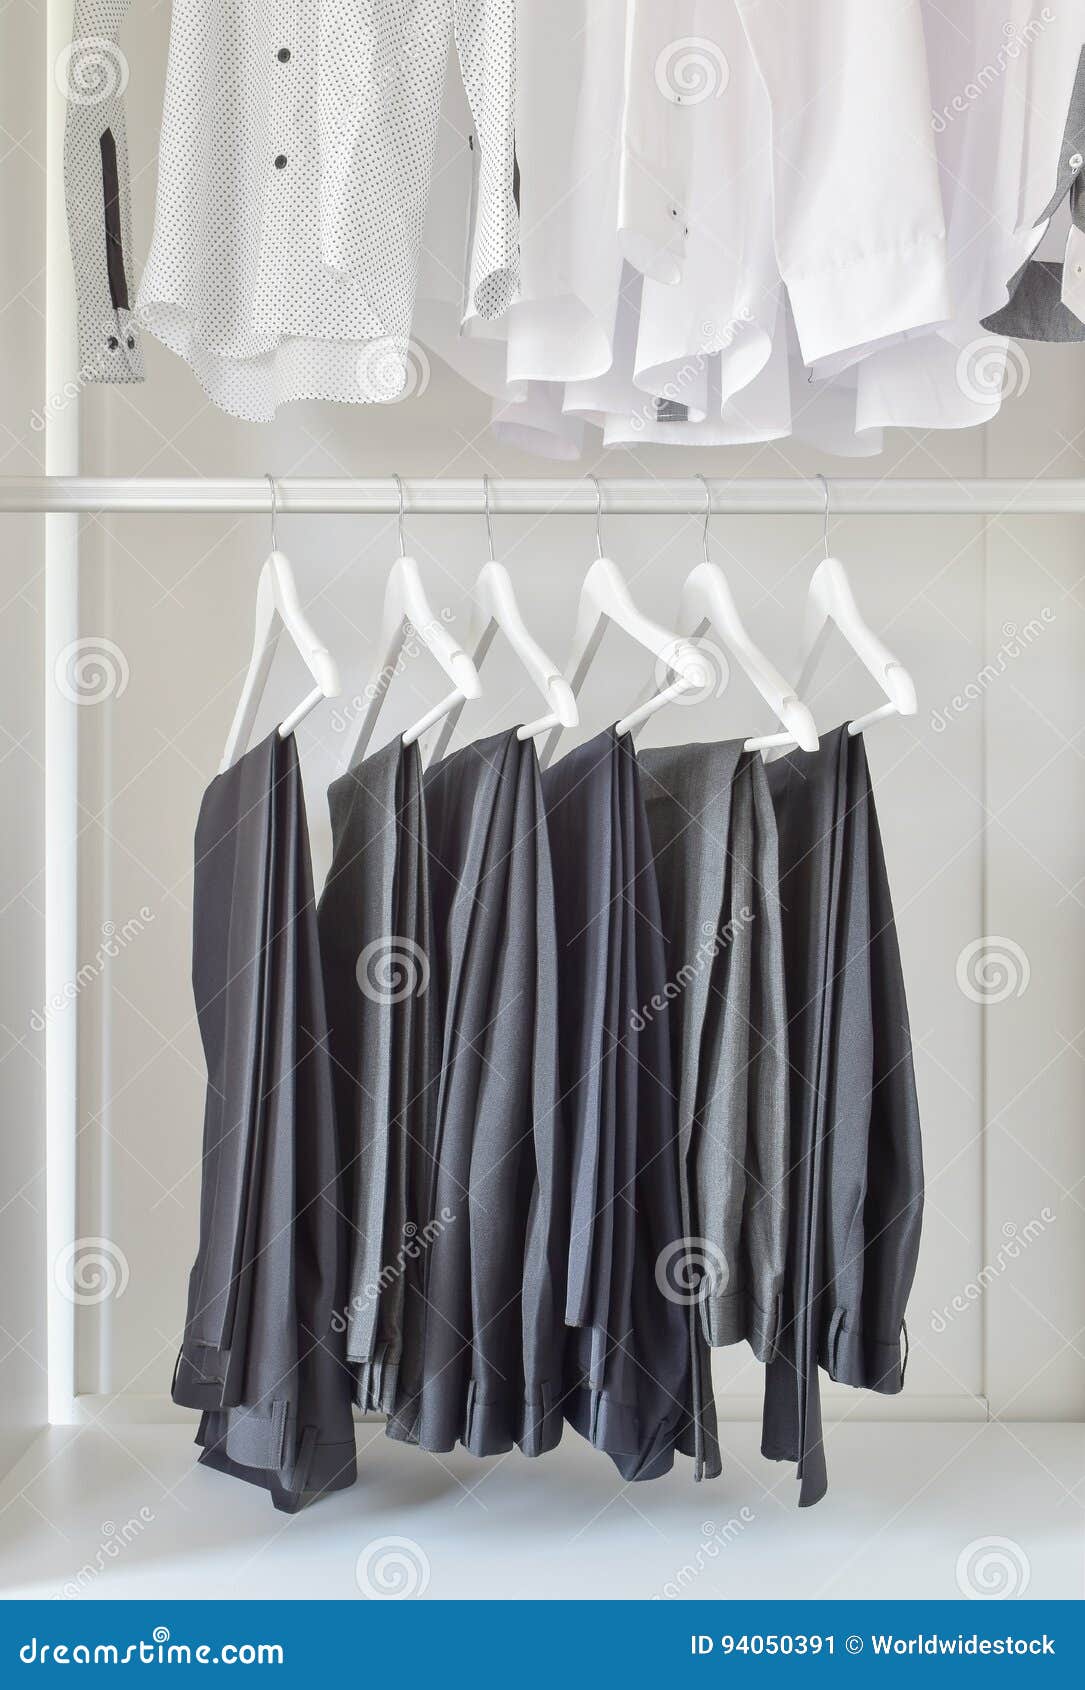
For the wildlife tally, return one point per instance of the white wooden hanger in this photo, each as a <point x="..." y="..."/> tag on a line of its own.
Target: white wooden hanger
<point x="830" y="600"/>
<point x="278" y="606"/>
<point x="707" y="604"/>
<point x="407" y="609"/>
<point x="495" y="607"/>
<point x="604" y="597"/>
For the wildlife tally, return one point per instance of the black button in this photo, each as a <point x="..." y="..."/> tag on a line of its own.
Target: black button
<point x="283" y="55"/>
<point x="280" y="162"/>
<point x="113" y="343"/>
<point x="131" y="342"/>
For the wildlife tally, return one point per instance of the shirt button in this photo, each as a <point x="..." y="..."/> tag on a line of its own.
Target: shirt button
<point x="280" y="162"/>
<point x="1076" y="161"/>
<point x="113" y="343"/>
<point x="131" y="342"/>
<point x="283" y="55"/>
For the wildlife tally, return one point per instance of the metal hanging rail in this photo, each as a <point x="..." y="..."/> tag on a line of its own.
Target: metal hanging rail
<point x="627" y="496"/>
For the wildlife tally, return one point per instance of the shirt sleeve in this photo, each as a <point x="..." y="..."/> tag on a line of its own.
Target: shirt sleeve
<point x="859" y="228"/>
<point x="670" y="71"/>
<point x="93" y="74"/>
<point x="485" y="32"/>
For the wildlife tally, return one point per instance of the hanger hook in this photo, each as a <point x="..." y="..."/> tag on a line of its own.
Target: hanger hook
<point x="270" y="479"/>
<point x="399" y="517"/>
<point x="489" y="528"/>
<point x="825" y="514"/>
<point x="598" y="516"/>
<point x="707" y="515"/>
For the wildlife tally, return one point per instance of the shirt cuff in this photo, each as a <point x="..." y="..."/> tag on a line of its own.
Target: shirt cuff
<point x="652" y="226"/>
<point x="868" y="301"/>
<point x="1073" y="274"/>
<point x="109" y="347"/>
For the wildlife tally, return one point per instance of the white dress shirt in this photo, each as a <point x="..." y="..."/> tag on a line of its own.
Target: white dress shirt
<point x="297" y="150"/>
<point x="844" y="163"/>
<point x="734" y="155"/>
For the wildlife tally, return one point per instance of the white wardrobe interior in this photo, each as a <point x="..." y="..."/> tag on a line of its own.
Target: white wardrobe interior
<point x="981" y="797"/>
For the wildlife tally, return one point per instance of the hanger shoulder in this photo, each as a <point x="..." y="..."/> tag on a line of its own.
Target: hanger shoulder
<point x="708" y="604"/>
<point x="611" y="598"/>
<point x="482" y="629"/>
<point x="391" y="640"/>
<point x="265" y="638"/>
<point x="412" y="603"/>
<point x="318" y="659"/>
<point x="496" y="598"/>
<point x="407" y="611"/>
<point x="494" y="607"/>
<point x="278" y="606"/>
<point x="830" y="599"/>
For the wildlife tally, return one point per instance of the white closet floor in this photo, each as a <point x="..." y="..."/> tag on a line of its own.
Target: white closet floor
<point x="125" y="1512"/>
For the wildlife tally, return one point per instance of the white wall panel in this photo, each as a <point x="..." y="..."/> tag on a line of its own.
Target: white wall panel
<point x="22" y="698"/>
<point x="982" y="806"/>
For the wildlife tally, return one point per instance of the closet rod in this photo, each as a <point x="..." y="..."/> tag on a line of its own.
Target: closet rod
<point x="627" y="496"/>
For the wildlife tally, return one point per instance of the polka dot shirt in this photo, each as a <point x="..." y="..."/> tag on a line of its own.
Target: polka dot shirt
<point x="297" y="151"/>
